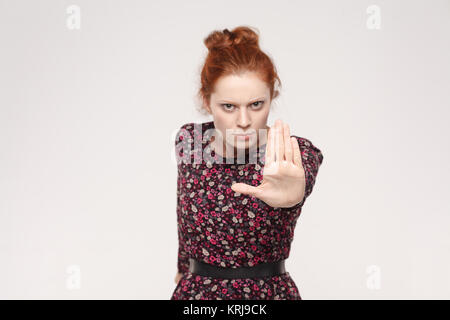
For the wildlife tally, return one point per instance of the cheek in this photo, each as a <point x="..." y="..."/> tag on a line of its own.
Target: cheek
<point x="223" y="124"/>
<point x="262" y="118"/>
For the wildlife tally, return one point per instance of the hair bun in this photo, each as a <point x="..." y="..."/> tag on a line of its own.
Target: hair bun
<point x="239" y="36"/>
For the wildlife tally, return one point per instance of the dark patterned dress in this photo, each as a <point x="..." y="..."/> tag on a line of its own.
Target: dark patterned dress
<point x="224" y="228"/>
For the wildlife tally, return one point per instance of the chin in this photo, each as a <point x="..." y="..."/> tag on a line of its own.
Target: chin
<point x="243" y="145"/>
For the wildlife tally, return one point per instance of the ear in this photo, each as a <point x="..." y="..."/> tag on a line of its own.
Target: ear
<point x="206" y="105"/>
<point x="275" y="94"/>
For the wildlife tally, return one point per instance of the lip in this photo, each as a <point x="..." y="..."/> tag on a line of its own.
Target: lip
<point x="243" y="136"/>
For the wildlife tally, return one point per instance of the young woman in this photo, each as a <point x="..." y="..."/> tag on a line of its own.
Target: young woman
<point x="241" y="184"/>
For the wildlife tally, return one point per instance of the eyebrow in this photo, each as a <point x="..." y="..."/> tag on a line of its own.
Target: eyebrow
<point x="251" y="101"/>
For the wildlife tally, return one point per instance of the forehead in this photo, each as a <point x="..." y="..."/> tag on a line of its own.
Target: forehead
<point x="240" y="88"/>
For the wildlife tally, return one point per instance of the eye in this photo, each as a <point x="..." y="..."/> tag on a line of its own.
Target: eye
<point x="257" y="104"/>
<point x="225" y="106"/>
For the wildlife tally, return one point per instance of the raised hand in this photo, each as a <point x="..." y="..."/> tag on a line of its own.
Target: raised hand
<point x="283" y="183"/>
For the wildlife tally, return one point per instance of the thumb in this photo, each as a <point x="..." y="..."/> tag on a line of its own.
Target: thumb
<point x="244" y="189"/>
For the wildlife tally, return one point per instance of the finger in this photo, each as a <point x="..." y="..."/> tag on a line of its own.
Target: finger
<point x="270" y="146"/>
<point x="245" y="189"/>
<point x="279" y="141"/>
<point x="297" y="152"/>
<point x="287" y="144"/>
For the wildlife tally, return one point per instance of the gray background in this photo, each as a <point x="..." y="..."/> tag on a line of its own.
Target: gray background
<point x="88" y="118"/>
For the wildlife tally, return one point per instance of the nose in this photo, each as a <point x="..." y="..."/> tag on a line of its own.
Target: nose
<point x="244" y="120"/>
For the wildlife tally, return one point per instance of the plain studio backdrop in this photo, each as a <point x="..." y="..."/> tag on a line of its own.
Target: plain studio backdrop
<point x="93" y="92"/>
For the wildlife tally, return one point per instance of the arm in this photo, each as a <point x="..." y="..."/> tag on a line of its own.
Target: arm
<point x="181" y="144"/>
<point x="183" y="257"/>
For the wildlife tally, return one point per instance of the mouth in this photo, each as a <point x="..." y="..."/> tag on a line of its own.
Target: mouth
<point x="243" y="136"/>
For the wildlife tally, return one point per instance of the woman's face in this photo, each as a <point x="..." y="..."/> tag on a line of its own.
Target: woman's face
<point x="240" y="105"/>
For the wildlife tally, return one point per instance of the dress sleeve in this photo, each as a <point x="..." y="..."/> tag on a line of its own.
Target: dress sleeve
<point x="183" y="257"/>
<point x="312" y="158"/>
<point x="182" y="144"/>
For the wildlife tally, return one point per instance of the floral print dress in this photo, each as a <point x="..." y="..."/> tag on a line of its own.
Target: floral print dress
<point x="224" y="228"/>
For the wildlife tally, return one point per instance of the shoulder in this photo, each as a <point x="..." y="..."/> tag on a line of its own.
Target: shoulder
<point x="193" y="129"/>
<point x="186" y="128"/>
<point x="190" y="139"/>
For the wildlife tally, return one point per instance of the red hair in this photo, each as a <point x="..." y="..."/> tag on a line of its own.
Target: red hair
<point x="235" y="52"/>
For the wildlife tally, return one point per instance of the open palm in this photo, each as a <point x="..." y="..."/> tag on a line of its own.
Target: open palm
<point x="283" y="183"/>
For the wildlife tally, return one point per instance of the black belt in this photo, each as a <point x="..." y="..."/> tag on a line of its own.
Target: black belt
<point x="267" y="269"/>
